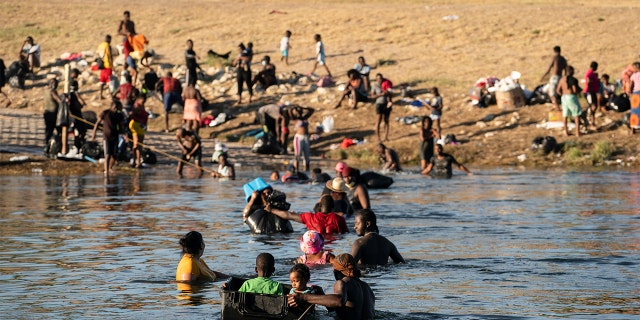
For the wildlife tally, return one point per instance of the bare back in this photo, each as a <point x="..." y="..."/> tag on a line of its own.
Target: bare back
<point x="374" y="249"/>
<point x="559" y="64"/>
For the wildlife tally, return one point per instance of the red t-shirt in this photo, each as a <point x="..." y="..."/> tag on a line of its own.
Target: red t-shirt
<point x="171" y="84"/>
<point x="126" y="48"/>
<point x="386" y="85"/>
<point x="593" y="82"/>
<point x="325" y="223"/>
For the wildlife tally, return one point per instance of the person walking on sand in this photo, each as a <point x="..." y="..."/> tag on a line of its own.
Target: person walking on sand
<point x="320" y="56"/>
<point x="285" y="45"/>
<point x="568" y="91"/>
<point x="557" y="66"/>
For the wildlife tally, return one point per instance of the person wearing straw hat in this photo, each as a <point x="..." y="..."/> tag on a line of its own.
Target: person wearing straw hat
<point x="352" y="298"/>
<point x="326" y="221"/>
<point x="336" y="189"/>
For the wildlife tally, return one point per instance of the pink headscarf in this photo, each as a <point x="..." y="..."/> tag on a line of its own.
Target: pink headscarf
<point x="311" y="242"/>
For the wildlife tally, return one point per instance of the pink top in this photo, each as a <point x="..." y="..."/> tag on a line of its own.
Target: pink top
<point x="593" y="82"/>
<point x="635" y="78"/>
<point x="322" y="260"/>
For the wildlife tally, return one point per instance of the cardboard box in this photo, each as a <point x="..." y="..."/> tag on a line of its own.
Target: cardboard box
<point x="513" y="98"/>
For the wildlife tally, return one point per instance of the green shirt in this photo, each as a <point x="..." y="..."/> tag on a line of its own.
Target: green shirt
<point x="261" y="285"/>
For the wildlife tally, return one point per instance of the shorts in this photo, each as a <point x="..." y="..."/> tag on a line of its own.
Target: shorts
<point x="285" y="53"/>
<point x="570" y="106"/>
<point x="381" y="108"/>
<point x="301" y="147"/>
<point x="435" y="115"/>
<point x="132" y="63"/>
<point x="136" y="128"/>
<point x="553" y="85"/>
<point x="110" y="146"/>
<point x="105" y="75"/>
<point x="321" y="59"/>
<point x="591" y="97"/>
<point x="197" y="156"/>
<point x="169" y="99"/>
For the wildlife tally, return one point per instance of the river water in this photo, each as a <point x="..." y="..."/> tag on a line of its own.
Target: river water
<point x="499" y="244"/>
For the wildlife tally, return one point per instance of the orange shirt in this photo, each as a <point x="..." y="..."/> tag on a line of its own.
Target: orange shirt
<point x="138" y="42"/>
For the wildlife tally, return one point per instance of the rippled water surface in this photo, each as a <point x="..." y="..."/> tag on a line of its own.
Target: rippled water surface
<point x="499" y="244"/>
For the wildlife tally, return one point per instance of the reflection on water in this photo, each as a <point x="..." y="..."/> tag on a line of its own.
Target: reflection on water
<point x="499" y="243"/>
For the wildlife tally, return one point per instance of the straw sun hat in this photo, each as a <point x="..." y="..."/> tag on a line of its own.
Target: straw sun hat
<point x="336" y="185"/>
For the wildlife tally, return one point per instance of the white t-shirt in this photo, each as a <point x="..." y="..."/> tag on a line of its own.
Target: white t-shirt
<point x="320" y="49"/>
<point x="284" y="44"/>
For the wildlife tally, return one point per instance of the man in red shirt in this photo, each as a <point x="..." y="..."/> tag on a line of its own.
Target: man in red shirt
<point x="172" y="88"/>
<point x="325" y="221"/>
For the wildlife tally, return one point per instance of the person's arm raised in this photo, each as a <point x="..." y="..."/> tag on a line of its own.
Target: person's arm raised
<point x="287" y="215"/>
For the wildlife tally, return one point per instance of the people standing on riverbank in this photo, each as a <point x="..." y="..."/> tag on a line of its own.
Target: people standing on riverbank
<point x="592" y="91"/>
<point x="285" y="45"/>
<point x="111" y="120"/>
<point x="192" y="108"/>
<point x="436" y="108"/>
<point x="242" y="63"/>
<point x="381" y="91"/>
<point x="51" y="103"/>
<point x="191" y="62"/>
<point x="568" y="89"/>
<point x="106" y="67"/>
<point x="555" y="70"/>
<point x="172" y="88"/>
<point x="320" y="56"/>
<point x="138" y="128"/>
<point x="428" y="135"/>
<point x="301" y="144"/>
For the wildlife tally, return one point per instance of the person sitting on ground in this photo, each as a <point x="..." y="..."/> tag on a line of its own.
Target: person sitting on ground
<point x="312" y="245"/>
<point x="358" y="193"/>
<point x="191" y="148"/>
<point x="267" y="76"/>
<point x="364" y="69"/>
<point x="31" y="52"/>
<point x="441" y="164"/>
<point x="607" y="90"/>
<point x="225" y="169"/>
<point x="352" y="298"/>
<point x="355" y="90"/>
<point x="111" y="120"/>
<point x="191" y="267"/>
<point x="372" y="248"/>
<point x="326" y="221"/>
<point x="389" y="158"/>
<point x="263" y="284"/>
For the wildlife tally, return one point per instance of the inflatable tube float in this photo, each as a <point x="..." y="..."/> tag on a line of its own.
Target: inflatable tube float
<point x="375" y="180"/>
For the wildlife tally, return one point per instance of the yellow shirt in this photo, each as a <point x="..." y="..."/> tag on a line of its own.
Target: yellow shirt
<point x="196" y="267"/>
<point x="103" y="51"/>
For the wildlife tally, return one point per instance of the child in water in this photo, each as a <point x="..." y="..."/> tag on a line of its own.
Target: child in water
<point x="312" y="244"/>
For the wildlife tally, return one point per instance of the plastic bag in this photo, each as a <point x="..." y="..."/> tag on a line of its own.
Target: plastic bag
<point x="62" y="118"/>
<point x="327" y="124"/>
